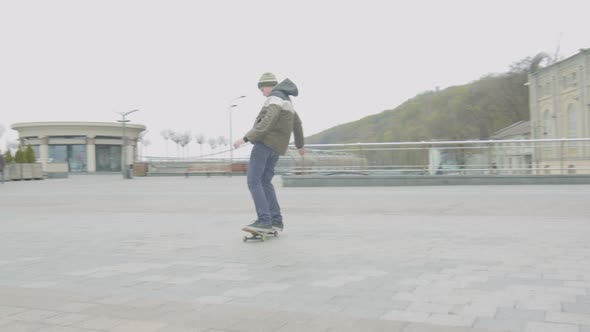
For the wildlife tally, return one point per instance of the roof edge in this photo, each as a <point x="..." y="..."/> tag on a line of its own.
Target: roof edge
<point x="22" y="125"/>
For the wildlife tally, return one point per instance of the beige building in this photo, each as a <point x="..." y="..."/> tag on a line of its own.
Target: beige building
<point x="83" y="146"/>
<point x="512" y="157"/>
<point x="560" y="108"/>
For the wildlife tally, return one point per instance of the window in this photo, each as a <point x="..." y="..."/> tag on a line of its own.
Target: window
<point x="549" y="131"/>
<point x="574" y="80"/>
<point x="74" y="155"/>
<point x="108" y="158"/>
<point x="36" y="150"/>
<point x="547" y="89"/>
<point x="58" y="153"/>
<point x="572" y="122"/>
<point x="68" y="137"/>
<point x="569" y="81"/>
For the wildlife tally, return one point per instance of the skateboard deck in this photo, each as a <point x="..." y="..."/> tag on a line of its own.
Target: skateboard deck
<point x="256" y="235"/>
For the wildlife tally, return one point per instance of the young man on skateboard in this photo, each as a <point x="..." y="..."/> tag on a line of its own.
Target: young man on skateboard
<point x="270" y="136"/>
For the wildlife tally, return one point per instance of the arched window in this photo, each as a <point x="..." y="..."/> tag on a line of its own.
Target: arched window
<point x="549" y="125"/>
<point x="572" y="121"/>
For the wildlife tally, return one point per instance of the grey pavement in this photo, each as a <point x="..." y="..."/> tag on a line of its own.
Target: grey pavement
<point x="99" y="253"/>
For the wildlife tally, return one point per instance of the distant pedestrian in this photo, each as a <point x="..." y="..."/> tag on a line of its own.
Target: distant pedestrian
<point x="270" y="135"/>
<point x="494" y="168"/>
<point x="439" y="170"/>
<point x="2" y="166"/>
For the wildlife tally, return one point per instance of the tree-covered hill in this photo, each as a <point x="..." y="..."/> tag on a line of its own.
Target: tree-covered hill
<point x="471" y="111"/>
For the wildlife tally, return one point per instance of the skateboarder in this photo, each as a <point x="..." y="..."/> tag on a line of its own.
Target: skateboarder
<point x="270" y="135"/>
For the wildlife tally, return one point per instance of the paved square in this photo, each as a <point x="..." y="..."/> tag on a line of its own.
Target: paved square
<point x="99" y="253"/>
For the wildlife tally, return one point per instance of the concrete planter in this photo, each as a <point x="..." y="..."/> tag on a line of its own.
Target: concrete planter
<point x="140" y="169"/>
<point x="15" y="171"/>
<point x="56" y="170"/>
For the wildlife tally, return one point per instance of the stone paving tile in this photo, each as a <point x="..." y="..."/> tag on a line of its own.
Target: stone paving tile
<point x="40" y="284"/>
<point x="58" y="328"/>
<point x="213" y="299"/>
<point x="142" y="326"/>
<point x="520" y="314"/>
<point x="257" y="325"/>
<point x="510" y="325"/>
<point x="66" y="319"/>
<point x="451" y="320"/>
<point x="74" y="306"/>
<point x="429" y="307"/>
<point x="567" y="318"/>
<point x="579" y="308"/>
<point x="422" y="327"/>
<point x="406" y="316"/>
<point x="99" y="323"/>
<point x="20" y="326"/>
<point x="33" y="315"/>
<point x="172" y="328"/>
<point x="550" y="327"/>
<point x="8" y="311"/>
<point x="506" y="256"/>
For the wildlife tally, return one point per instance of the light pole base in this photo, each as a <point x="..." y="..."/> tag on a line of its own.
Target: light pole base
<point x="127" y="174"/>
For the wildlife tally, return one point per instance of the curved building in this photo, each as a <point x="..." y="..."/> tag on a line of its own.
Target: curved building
<point x="84" y="146"/>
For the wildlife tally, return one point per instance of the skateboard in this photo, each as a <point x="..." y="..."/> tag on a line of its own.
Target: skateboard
<point x="256" y="235"/>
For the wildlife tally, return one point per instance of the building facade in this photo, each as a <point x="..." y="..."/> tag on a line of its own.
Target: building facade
<point x="560" y="108"/>
<point x="83" y="146"/>
<point x="512" y="158"/>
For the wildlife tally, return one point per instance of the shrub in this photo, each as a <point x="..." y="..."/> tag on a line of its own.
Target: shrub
<point x="30" y="155"/>
<point x="19" y="156"/>
<point x="8" y="156"/>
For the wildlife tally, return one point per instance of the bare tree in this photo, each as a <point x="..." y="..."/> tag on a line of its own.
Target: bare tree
<point x="221" y="140"/>
<point x="12" y="145"/>
<point x="184" y="140"/>
<point x="175" y="137"/>
<point x="212" y="143"/>
<point x="200" y="139"/>
<point x="145" y="142"/>
<point x="142" y="135"/>
<point x="140" y="140"/>
<point x="166" y="134"/>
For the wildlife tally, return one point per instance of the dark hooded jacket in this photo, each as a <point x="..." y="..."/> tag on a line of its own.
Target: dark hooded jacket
<point x="277" y="120"/>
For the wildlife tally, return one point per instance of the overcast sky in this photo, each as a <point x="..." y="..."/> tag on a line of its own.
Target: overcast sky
<point x="182" y="62"/>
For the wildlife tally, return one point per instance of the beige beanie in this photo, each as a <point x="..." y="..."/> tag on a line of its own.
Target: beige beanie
<point x="267" y="79"/>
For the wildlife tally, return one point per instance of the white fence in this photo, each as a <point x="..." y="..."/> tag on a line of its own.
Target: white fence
<point x="474" y="157"/>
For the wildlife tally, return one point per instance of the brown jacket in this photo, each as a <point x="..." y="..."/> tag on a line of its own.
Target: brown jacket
<point x="277" y="120"/>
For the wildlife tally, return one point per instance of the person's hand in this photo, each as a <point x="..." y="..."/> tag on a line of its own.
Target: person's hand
<point x="238" y="142"/>
<point x="301" y="151"/>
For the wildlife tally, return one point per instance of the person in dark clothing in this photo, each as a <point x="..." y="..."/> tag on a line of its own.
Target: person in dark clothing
<point x="2" y="166"/>
<point x="270" y="135"/>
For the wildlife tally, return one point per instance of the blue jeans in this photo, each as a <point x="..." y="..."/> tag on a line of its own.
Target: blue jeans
<point x="261" y="170"/>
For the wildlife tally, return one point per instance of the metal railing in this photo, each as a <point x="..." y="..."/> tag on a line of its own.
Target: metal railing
<point x="472" y="157"/>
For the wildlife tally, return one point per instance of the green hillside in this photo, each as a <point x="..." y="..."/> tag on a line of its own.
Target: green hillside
<point x="471" y="111"/>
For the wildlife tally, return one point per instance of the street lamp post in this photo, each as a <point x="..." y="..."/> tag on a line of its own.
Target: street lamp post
<point x="231" y="142"/>
<point x="124" y="169"/>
